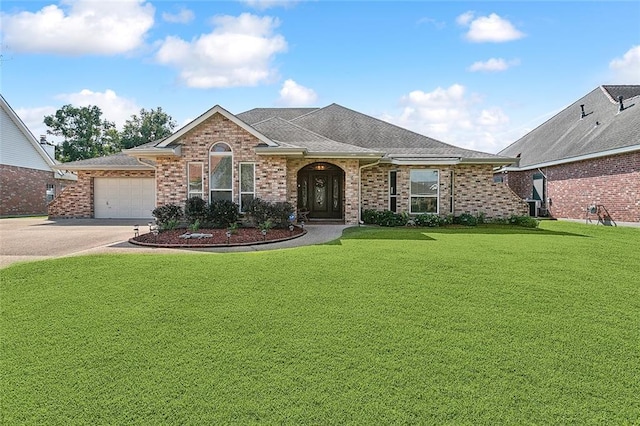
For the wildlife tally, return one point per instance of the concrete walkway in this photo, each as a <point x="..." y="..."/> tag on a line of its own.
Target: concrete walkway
<point x="29" y="239"/>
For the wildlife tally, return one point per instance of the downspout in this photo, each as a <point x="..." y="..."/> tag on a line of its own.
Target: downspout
<point x="360" y="189"/>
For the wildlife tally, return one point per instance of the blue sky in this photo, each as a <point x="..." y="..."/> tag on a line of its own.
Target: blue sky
<point x="474" y="74"/>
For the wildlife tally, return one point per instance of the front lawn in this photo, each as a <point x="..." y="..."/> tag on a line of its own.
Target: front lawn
<point x="487" y="325"/>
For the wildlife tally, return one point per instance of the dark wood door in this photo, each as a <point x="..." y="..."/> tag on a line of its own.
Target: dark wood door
<point x="320" y="192"/>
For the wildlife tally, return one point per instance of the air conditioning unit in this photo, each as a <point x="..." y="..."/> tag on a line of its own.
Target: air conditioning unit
<point x="534" y="207"/>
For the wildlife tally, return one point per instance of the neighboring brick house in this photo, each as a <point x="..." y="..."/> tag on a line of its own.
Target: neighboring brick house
<point x="583" y="161"/>
<point x="28" y="181"/>
<point x="331" y="162"/>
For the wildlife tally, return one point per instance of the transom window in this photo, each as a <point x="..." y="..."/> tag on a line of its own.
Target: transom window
<point x="424" y="191"/>
<point x="221" y="171"/>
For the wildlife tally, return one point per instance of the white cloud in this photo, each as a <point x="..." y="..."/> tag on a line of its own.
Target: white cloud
<point x="465" y="18"/>
<point x="626" y="70"/>
<point x="184" y="16"/>
<point x="238" y="52"/>
<point x="293" y="94"/>
<point x="453" y="116"/>
<point x="33" y="118"/>
<point x="493" y="65"/>
<point x="114" y="108"/>
<point x="79" y="27"/>
<point x="490" y="28"/>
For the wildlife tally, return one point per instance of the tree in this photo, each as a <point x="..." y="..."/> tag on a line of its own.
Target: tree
<point x="148" y="127"/>
<point x="85" y="133"/>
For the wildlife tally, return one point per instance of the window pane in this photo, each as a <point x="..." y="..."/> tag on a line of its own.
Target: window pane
<point x="221" y="172"/>
<point x="246" y="177"/>
<point x="195" y="178"/>
<point x="221" y="195"/>
<point x="424" y="182"/>
<point x="424" y="205"/>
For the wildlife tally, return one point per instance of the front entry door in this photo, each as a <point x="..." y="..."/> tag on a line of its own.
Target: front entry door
<point x="320" y="192"/>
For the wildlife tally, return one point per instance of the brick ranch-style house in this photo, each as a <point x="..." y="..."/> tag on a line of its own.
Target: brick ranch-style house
<point x="584" y="162"/>
<point x="28" y="180"/>
<point x="331" y="162"/>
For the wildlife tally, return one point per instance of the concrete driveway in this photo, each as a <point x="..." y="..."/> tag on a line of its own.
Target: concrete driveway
<point x="28" y="239"/>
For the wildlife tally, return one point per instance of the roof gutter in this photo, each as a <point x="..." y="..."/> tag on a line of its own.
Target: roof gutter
<point x="175" y="151"/>
<point x="592" y="156"/>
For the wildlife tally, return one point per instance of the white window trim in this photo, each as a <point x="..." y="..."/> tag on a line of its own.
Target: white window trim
<point x="195" y="193"/>
<point x="220" y="154"/>
<point x="241" y="209"/>
<point x="437" y="196"/>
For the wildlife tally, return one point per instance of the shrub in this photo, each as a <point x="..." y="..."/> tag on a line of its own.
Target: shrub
<point x="222" y="213"/>
<point x="195" y="226"/>
<point x="430" y="220"/>
<point x="389" y="218"/>
<point x="168" y="216"/>
<point x="370" y="217"/>
<point x="257" y="211"/>
<point x="278" y="213"/>
<point x="524" y="221"/>
<point x="466" y="219"/>
<point x="195" y="209"/>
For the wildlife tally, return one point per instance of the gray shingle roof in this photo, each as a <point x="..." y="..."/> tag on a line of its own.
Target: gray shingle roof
<point x="567" y="134"/>
<point x="280" y="131"/>
<point x="119" y="160"/>
<point x="257" y="115"/>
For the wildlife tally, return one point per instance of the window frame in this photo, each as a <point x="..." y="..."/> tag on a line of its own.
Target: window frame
<point x="415" y="196"/>
<point x="220" y="154"/>
<point x="253" y="183"/>
<point x="393" y="191"/>
<point x="191" y="193"/>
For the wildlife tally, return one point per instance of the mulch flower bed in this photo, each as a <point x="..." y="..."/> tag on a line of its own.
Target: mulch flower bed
<point x="218" y="238"/>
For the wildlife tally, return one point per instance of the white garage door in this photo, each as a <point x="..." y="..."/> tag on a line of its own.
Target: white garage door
<point x="126" y="198"/>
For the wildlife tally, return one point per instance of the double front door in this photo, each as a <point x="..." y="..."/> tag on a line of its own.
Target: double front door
<point x="320" y="191"/>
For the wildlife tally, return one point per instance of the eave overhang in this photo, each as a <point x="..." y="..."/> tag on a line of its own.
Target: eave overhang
<point x="616" y="151"/>
<point x="173" y="151"/>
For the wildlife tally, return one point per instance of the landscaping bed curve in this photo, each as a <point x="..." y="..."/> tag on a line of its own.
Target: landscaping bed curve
<point x="216" y="237"/>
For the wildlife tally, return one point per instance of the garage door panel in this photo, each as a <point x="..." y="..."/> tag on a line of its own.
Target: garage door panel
<point x="124" y="197"/>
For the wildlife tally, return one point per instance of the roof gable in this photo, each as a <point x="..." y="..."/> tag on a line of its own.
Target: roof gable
<point x="570" y="134"/>
<point x="18" y="145"/>
<point x="174" y="138"/>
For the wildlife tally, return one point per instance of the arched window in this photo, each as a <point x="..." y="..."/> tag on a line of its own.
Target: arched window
<point x="221" y="172"/>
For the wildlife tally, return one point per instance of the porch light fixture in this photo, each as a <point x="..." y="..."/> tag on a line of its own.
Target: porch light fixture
<point x="320" y="167"/>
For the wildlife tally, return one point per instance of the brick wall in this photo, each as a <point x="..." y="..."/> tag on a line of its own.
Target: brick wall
<point x="23" y="190"/>
<point x="612" y="181"/>
<point x="473" y="190"/>
<point x="76" y="200"/>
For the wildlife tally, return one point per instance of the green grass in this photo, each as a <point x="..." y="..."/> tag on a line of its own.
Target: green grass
<point x="488" y="325"/>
